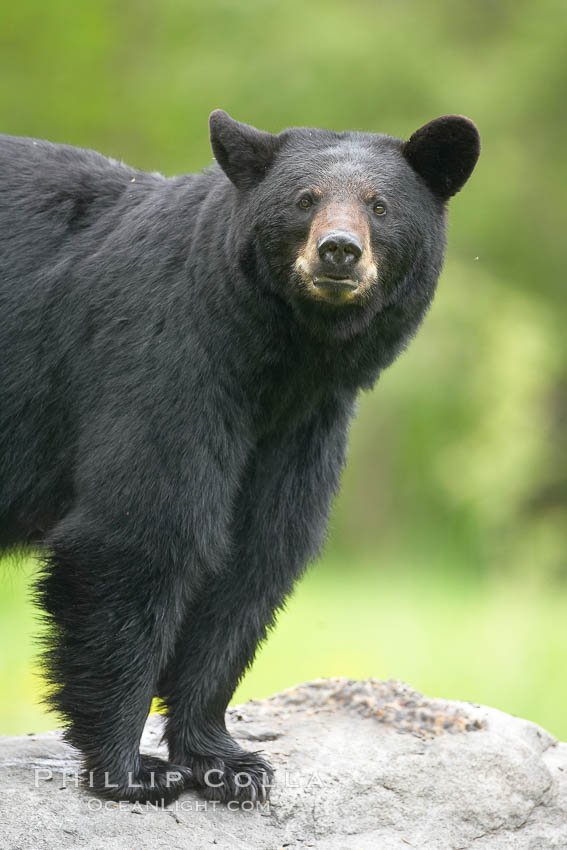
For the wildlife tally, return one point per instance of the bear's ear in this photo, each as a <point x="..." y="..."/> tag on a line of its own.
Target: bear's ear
<point x="243" y="153"/>
<point x="444" y="153"/>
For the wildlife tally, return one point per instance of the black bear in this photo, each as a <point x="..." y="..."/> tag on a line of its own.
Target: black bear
<point x="179" y="364"/>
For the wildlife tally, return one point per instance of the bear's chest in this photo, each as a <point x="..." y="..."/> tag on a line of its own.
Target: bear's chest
<point x="290" y="393"/>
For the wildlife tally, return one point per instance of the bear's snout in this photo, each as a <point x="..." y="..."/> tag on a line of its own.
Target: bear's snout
<point x="339" y="250"/>
<point x="336" y="263"/>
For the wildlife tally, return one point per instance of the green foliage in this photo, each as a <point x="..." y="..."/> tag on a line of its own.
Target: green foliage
<point x="458" y="459"/>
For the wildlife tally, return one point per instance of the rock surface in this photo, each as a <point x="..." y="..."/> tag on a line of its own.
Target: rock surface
<point x="359" y="766"/>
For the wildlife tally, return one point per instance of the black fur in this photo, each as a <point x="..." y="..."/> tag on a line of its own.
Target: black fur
<point x="174" y="413"/>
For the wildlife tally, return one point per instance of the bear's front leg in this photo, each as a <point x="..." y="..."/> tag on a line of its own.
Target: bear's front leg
<point x="150" y="521"/>
<point x="111" y="612"/>
<point x="278" y="528"/>
<point x="218" y="642"/>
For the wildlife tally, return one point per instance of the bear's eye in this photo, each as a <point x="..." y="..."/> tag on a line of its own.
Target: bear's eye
<point x="379" y="209"/>
<point x="305" y="202"/>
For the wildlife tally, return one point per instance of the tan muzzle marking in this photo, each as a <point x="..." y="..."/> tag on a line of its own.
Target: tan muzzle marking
<point x="338" y="216"/>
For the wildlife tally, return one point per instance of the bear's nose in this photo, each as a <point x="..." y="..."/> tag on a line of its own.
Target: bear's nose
<point x="339" y="248"/>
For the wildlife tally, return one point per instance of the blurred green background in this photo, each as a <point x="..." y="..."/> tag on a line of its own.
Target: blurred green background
<point x="447" y="560"/>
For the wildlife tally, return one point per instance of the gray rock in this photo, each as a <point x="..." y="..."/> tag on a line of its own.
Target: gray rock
<point x="359" y="766"/>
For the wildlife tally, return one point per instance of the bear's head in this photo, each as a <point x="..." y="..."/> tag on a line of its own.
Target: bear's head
<point x="343" y="226"/>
